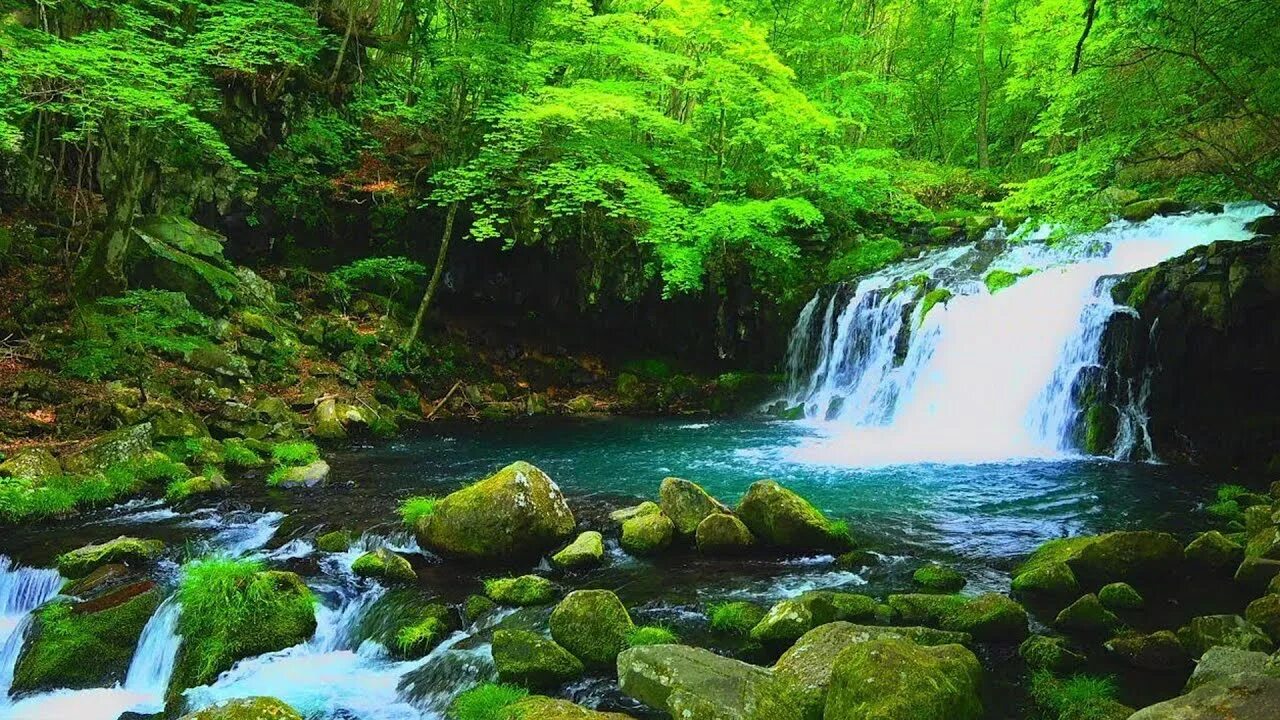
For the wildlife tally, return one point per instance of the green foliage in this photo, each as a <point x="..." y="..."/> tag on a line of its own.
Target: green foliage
<point x="239" y="455"/>
<point x="1080" y="697"/>
<point x="417" y="507"/>
<point x="486" y="702"/>
<point x="867" y="256"/>
<point x="412" y="638"/>
<point x="651" y="635"/>
<point x="1228" y="492"/>
<point x="998" y="280"/>
<point x="118" y="336"/>
<point x="736" y="618"/>
<point x="294" y="453"/>
<point x="21" y="499"/>
<point x="383" y="275"/>
<point x="931" y="298"/>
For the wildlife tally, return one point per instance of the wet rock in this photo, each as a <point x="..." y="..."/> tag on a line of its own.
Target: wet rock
<point x="254" y="708"/>
<point x="1240" y="697"/>
<point x="581" y="404"/>
<point x="686" y="504"/>
<point x="310" y="475"/>
<point x="689" y="682"/>
<point x="114" y="448"/>
<point x="1265" y="613"/>
<point x="720" y="534"/>
<point x="593" y="625"/>
<point x="211" y="484"/>
<point x="1138" y="557"/>
<point x="1158" y="651"/>
<point x="335" y="541"/>
<point x="31" y="464"/>
<point x="986" y="617"/>
<point x="780" y="518"/>
<point x="1147" y="209"/>
<point x="476" y="607"/>
<point x="1220" y="663"/>
<point x="1087" y="616"/>
<point x="586" y="551"/>
<point x="1256" y="573"/>
<point x="899" y="680"/>
<point x="99" y="581"/>
<point x="1234" y="631"/>
<point x="515" y="513"/>
<point x="528" y="659"/>
<point x="788" y="619"/>
<point x="522" y="591"/>
<point x="1042" y="652"/>
<point x="936" y="577"/>
<point x="647" y="534"/>
<point x="1213" y="553"/>
<point x="419" y="638"/>
<point x="648" y="507"/>
<point x="384" y="564"/>
<point x="325" y="423"/>
<point x="130" y="551"/>
<point x="538" y="707"/>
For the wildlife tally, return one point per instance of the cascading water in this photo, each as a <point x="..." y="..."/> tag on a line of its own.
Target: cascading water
<point x="983" y="376"/>
<point x="153" y="661"/>
<point x="21" y="591"/>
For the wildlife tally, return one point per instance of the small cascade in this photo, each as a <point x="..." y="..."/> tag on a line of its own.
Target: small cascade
<point x="153" y="661"/>
<point x="21" y="591"/>
<point x="984" y="375"/>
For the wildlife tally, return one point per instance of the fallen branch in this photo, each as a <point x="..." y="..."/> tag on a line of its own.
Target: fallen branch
<point x="443" y="400"/>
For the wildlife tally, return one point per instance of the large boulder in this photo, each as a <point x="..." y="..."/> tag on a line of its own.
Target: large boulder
<point x="1047" y="573"/>
<point x="89" y="644"/>
<point x="529" y="659"/>
<point x="889" y="679"/>
<point x="518" y="512"/>
<point x="686" y="504"/>
<point x="585" y="552"/>
<point x="991" y="616"/>
<point x="1234" y="631"/>
<point x="780" y="518"/>
<point x="539" y="707"/>
<point x="1220" y="663"/>
<point x="1147" y="209"/>
<point x="1213" y="553"/>
<point x="117" y="447"/>
<point x="721" y="534"/>
<point x="1240" y="697"/>
<point x="325" y="423"/>
<point x="593" y="625"/>
<point x="31" y="464"/>
<point x="689" y="682"/>
<point x="647" y="534"/>
<point x="254" y="708"/>
<point x="130" y="551"/>
<point x="1139" y="557"/>
<point x="788" y="619"/>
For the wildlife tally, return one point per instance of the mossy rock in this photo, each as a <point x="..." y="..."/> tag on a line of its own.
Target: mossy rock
<point x="648" y="507"/>
<point x="890" y="679"/>
<point x="1087" y="616"/>
<point x="1120" y="596"/>
<point x="219" y="363"/>
<point x="119" y="447"/>
<point x="788" y="619"/>
<point x="780" y="518"/>
<point x="647" y="534"/>
<point x="325" y="422"/>
<point x="1240" y="697"/>
<point x="1219" y="663"/>
<point x="936" y="577"/>
<point x="1264" y="543"/>
<point x="1158" y="651"/>
<point x="1046" y="572"/>
<point x="991" y="616"/>
<point x="334" y="541"/>
<point x="689" y="682"/>
<point x="254" y="708"/>
<point x="531" y="660"/>
<point x="200" y="485"/>
<point x="587" y="551"/>
<point x="476" y="607"/>
<point x="1139" y="557"/>
<point x="86" y="645"/>
<point x="1256" y="573"/>
<point x="517" y="512"/>
<point x="720" y="534"/>
<point x="1206" y="631"/>
<point x="1265" y="613"/>
<point x="1041" y="652"/>
<point x="593" y="625"/>
<point x="1214" y="553"/>
<point x="312" y="474"/>
<point x="581" y="404"/>
<point x="418" y="638"/>
<point x="539" y="707"/>
<point x="522" y="591"/>
<point x="384" y="564"/>
<point x="130" y="551"/>
<point x="686" y="504"/>
<point x="31" y="464"/>
<point x="1147" y="209"/>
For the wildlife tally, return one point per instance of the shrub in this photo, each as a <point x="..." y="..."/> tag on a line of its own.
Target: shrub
<point x="117" y="335"/>
<point x="416" y="508"/>
<point x="1228" y="493"/>
<point x="651" y="635"/>
<point x="294" y="453"/>
<point x="486" y="702"/>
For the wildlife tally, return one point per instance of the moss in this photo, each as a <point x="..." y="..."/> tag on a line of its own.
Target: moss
<point x="486" y="702"/>
<point x="896" y="679"/>
<point x="939" y="578"/>
<point x="647" y="534"/>
<point x="529" y="659"/>
<point x="1138" y="295"/>
<point x="998" y="280"/>
<point x="419" y="638"/>
<point x="126" y="550"/>
<point x="336" y="541"/>
<point x="1040" y="652"/>
<point x="586" y="551"/>
<point x="64" y="639"/>
<point x="1080" y="697"/>
<point x="991" y="616"/>
<point x="237" y="454"/>
<point x="1225" y="510"/>
<point x="781" y="518"/>
<point x="1087" y="616"/>
<point x="520" y="591"/>
<point x="651" y="635"/>
<point x="1100" y="426"/>
<point x="232" y="609"/>
<point x="1046" y="571"/>
<point x="593" y="625"/>
<point x="417" y="508"/>
<point x="1229" y="493"/>
<point x="295" y="453"/>
<point x="384" y="564"/>
<point x="477" y="606"/>
<point x="735" y="618"/>
<point x="211" y="482"/>
<point x="931" y="298"/>
<point x="256" y="708"/>
<point x="1120" y="596"/>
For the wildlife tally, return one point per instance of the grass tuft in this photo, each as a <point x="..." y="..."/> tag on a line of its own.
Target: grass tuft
<point x="295" y="452"/>
<point x="417" y="507"/>
<point x="1079" y="697"/>
<point x="486" y="702"/>
<point x="735" y="618"/>
<point x="651" y="635"/>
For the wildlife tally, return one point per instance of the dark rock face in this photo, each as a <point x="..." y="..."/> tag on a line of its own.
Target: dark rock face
<point x="1206" y="343"/>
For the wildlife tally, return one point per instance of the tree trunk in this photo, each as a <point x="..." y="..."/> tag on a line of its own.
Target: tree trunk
<point x="121" y="175"/>
<point x="342" y="49"/>
<point x="416" y="328"/>
<point x="984" y="89"/>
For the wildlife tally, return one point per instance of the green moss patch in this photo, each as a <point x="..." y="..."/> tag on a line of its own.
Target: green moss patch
<point x="651" y="635"/>
<point x="486" y="702"/>
<point x="735" y="618"/>
<point x="416" y="508"/>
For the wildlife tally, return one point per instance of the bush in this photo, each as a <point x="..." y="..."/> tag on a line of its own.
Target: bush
<point x="486" y="702"/>
<point x="295" y="453"/>
<point x="117" y="335"/>
<point x="651" y="635"/>
<point x="416" y="508"/>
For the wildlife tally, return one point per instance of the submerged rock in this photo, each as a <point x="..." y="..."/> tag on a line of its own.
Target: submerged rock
<point x="1239" y="697"/>
<point x="384" y="564"/>
<point x="593" y="625"/>
<point x="531" y="660"/>
<point x="585" y="552"/>
<point x="130" y="551"/>
<point x="687" y="504"/>
<point x="1234" y="631"/>
<point x="517" y="512"/>
<point x="780" y="518"/>
<point x="720" y="534"/>
<point x="987" y="617"/>
<point x="255" y="708"/>
<point x="889" y="679"/>
<point x="1087" y="616"/>
<point x="647" y="534"/>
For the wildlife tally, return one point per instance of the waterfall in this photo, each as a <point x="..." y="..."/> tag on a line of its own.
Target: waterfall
<point x="21" y="591"/>
<point x="153" y="661"/>
<point x="983" y="376"/>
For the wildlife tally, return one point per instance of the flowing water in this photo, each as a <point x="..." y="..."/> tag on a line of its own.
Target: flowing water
<point x="950" y="442"/>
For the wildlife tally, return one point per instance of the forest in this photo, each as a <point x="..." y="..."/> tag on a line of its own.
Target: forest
<point x="353" y="354"/>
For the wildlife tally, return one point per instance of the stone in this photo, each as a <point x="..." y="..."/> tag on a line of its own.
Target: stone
<point x="788" y="619"/>
<point x="1136" y="557"/>
<point x="1160" y="650"/>
<point x="686" y="504"/>
<point x="593" y="625"/>
<point x="1212" y="552"/>
<point x="1265" y="613"/>
<point x="303" y="476"/>
<point x="325" y="422"/>
<point x="1046" y="572"/>
<point x="523" y="591"/>
<point x="539" y="707"/>
<point x="780" y="518"/>
<point x="689" y="682"/>
<point x="648" y="507"/>
<point x="1042" y="652"/>
<point x="936" y="577"/>
<point x="720" y="534"/>
<point x="383" y="564"/>
<point x="1147" y="209"/>
<point x="518" y="512"/>
<point x="130" y="551"/>
<point x="1120" y="596"/>
<point x="335" y="541"/>
<point x="218" y="363"/>
<point x="990" y="616"/>
<point x="587" y="551"/>
<point x="121" y="446"/>
<point x="31" y="464"/>
<point x="1220" y="663"/>
<point x="889" y="679"/>
<point x="1234" y="631"/>
<point x="211" y="484"/>
<point x="647" y="534"/>
<point x="1256" y="573"/>
<point x="581" y="404"/>
<point x="476" y="607"/>
<point x="1240" y="697"/>
<point x="173" y="253"/>
<point x="1087" y="616"/>
<point x="531" y="660"/>
<point x="254" y="708"/>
